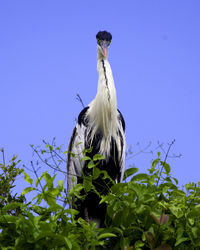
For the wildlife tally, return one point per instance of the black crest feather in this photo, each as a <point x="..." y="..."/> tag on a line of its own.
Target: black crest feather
<point x="104" y="35"/>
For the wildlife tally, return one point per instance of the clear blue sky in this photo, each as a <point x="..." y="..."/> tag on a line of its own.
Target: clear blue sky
<point x="48" y="54"/>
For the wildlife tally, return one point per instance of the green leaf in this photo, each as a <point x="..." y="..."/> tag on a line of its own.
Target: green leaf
<point x="76" y="190"/>
<point x="195" y="212"/>
<point x="38" y="181"/>
<point x="195" y="231"/>
<point x="70" y="153"/>
<point x="106" y="235"/>
<point x="140" y="177"/>
<point x="175" y="180"/>
<point x="166" y="166"/>
<point x="178" y="212"/>
<point x="117" y="230"/>
<point x="11" y="206"/>
<point x="87" y="150"/>
<point x="141" y="209"/>
<point x="188" y="186"/>
<point x="85" y="158"/>
<point x="178" y="193"/>
<point x="105" y="199"/>
<point x="60" y="184"/>
<point x="118" y="188"/>
<point x="96" y="173"/>
<point x="49" y="180"/>
<point x="91" y="164"/>
<point x="8" y="219"/>
<point x="49" y="198"/>
<point x="98" y="157"/>
<point x="27" y="190"/>
<point x="129" y="172"/>
<point x="68" y="242"/>
<point x="39" y="198"/>
<point x="27" y="178"/>
<point x="180" y="240"/>
<point x="154" y="163"/>
<point x="87" y="183"/>
<point x="138" y="244"/>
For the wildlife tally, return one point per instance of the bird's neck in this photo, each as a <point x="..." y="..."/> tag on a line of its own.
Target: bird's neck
<point x="103" y="109"/>
<point x="106" y="93"/>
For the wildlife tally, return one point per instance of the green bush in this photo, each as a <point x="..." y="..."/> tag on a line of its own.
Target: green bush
<point x="147" y="211"/>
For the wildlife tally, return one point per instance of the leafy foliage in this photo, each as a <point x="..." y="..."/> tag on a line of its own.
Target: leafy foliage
<point x="147" y="211"/>
<point x="8" y="175"/>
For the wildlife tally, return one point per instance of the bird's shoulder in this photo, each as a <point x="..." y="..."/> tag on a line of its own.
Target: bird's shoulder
<point x="121" y="118"/>
<point x="82" y="118"/>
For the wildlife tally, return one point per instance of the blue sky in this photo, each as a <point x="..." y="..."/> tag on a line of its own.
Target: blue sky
<point x="48" y="54"/>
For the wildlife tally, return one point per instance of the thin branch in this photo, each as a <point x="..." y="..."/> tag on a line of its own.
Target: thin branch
<point x="169" y="156"/>
<point x="54" y="152"/>
<point x="46" y="162"/>
<point x="24" y="166"/>
<point x="35" y="172"/>
<point x="141" y="151"/>
<point x="2" y="150"/>
<point x="160" y="146"/>
<point x="166" y="156"/>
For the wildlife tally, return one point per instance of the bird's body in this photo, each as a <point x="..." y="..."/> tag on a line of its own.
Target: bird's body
<point x="101" y="127"/>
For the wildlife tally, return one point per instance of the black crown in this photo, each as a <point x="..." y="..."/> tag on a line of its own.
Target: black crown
<point x="104" y="35"/>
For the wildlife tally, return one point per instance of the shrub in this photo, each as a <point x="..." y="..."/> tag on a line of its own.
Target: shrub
<point x="147" y="211"/>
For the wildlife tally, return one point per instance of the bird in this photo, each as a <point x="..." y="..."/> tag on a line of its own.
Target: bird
<point x="101" y="128"/>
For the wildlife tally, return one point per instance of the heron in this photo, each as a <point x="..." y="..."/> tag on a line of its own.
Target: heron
<point x="101" y="127"/>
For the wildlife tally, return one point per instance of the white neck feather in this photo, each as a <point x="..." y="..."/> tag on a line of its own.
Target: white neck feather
<point x="103" y="109"/>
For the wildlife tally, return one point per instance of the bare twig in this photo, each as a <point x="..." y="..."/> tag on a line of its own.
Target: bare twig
<point x="35" y="172"/>
<point x="145" y="150"/>
<point x="169" y="156"/>
<point x="166" y="156"/>
<point x="46" y="162"/>
<point x="55" y="152"/>
<point x="139" y="152"/>
<point x="2" y="150"/>
<point x="24" y="166"/>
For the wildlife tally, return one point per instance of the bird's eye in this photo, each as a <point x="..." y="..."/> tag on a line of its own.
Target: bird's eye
<point x="108" y="43"/>
<point x="99" y="41"/>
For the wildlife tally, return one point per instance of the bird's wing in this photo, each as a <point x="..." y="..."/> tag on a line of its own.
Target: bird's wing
<point x="75" y="151"/>
<point x="123" y="144"/>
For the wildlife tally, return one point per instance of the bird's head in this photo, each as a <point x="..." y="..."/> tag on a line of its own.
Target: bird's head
<point x="103" y="41"/>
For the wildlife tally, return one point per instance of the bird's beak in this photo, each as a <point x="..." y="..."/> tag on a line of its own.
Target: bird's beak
<point x="104" y="48"/>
